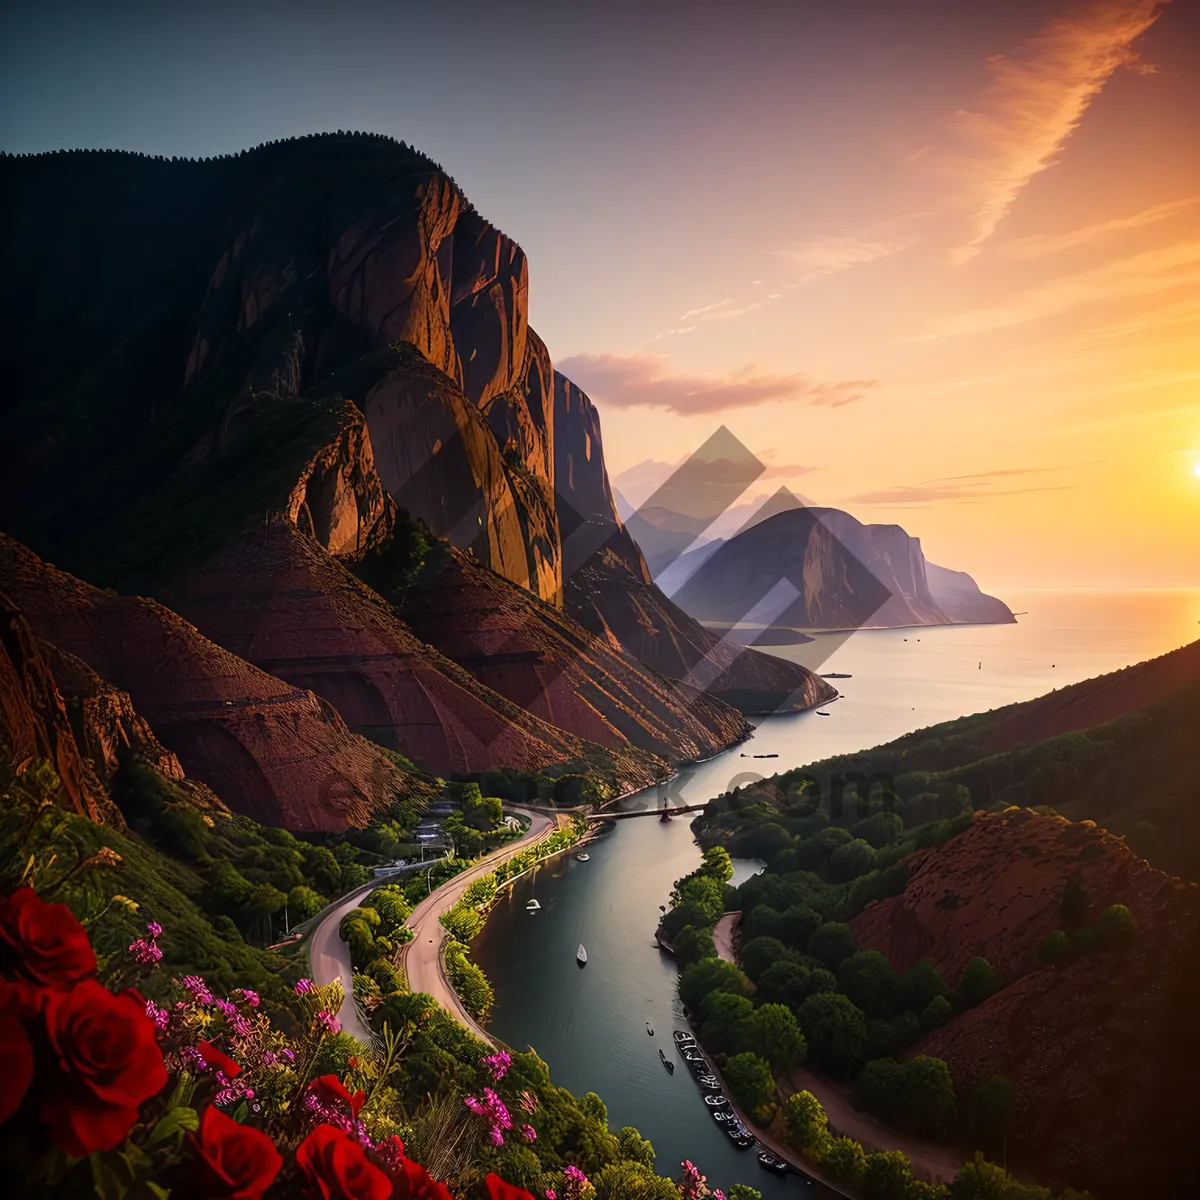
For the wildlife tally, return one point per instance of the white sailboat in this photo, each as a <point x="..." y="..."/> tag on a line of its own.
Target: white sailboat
<point x="581" y="956"/>
<point x="533" y="906"/>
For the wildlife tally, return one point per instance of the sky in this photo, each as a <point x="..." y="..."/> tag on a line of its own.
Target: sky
<point x="934" y="263"/>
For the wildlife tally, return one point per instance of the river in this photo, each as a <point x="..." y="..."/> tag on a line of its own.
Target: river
<point x="590" y="1024"/>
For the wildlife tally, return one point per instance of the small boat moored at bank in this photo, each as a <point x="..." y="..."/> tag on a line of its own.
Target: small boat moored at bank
<point x="772" y="1162"/>
<point x="682" y="1036"/>
<point x="582" y="857"/>
<point x="717" y="1101"/>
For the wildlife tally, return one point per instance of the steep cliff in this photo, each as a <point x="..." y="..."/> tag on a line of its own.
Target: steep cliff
<point x="269" y="750"/>
<point x="1104" y="1041"/>
<point x="819" y="568"/>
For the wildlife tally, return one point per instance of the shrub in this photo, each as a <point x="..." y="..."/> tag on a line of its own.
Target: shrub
<point x="921" y="983"/>
<point x="978" y="982"/>
<point x="937" y="1012"/>
<point x="797" y="925"/>
<point x="1116" y="927"/>
<point x="1054" y="947"/>
<point x="692" y="944"/>
<point x="848" y="862"/>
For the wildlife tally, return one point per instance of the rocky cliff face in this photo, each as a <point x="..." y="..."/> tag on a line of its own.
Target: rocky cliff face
<point x="819" y="568"/>
<point x="270" y="750"/>
<point x="275" y="599"/>
<point x="317" y="343"/>
<point x="1106" y="1041"/>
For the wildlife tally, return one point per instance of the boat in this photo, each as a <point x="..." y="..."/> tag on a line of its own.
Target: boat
<point x="681" y="1036"/>
<point x="581" y="956"/>
<point x="533" y="906"/>
<point x="582" y="857"/>
<point x="649" y="1030"/>
<point x="846" y="675"/>
<point x="666" y="1062"/>
<point x="710" y="1084"/>
<point x="822" y="714"/>
<point x="723" y="1118"/>
<point x="717" y="1101"/>
<point x="772" y="1162"/>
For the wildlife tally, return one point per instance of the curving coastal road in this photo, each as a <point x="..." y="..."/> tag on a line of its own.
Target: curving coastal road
<point x="329" y="956"/>
<point x="421" y="958"/>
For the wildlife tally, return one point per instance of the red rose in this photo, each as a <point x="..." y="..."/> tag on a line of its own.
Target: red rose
<point x="216" y="1061"/>
<point x="413" y="1182"/>
<point x="43" y="942"/>
<point x="335" y="1167"/>
<point x="16" y="1053"/>
<point x="499" y="1190"/>
<point x="330" y="1090"/>
<point x="108" y="1063"/>
<point x="240" y="1163"/>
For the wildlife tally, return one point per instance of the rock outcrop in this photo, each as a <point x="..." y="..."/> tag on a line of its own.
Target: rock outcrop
<point x="1106" y="1040"/>
<point x="270" y="750"/>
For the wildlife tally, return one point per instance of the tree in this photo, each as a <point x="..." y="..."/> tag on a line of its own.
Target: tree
<point x="832" y="944"/>
<point x="808" y="1127"/>
<point x="717" y="864"/>
<point x="711" y="975"/>
<point x="836" y="1030"/>
<point x="777" y="1036"/>
<point x="991" y="1113"/>
<point x="622" y="1181"/>
<point x="1054" y="947"/>
<point x="750" y="1080"/>
<point x="886" y="1176"/>
<point x="303" y="902"/>
<point x="845" y="1162"/>
<point x="742" y="1191"/>
<point x="1116" y="927"/>
<point x="921" y="983"/>
<point x="594" y="1108"/>
<point x="880" y="829"/>
<point x="983" y="1180"/>
<point x="635" y="1147"/>
<point x="792" y="983"/>
<point x="729" y="1023"/>
<point x="692" y="944"/>
<point x="762" y="921"/>
<point x="759" y="954"/>
<point x="797" y="925"/>
<point x="868" y="979"/>
<point x="848" y="862"/>
<point x="978" y="982"/>
<point x="930" y="1105"/>
<point x="937" y="1012"/>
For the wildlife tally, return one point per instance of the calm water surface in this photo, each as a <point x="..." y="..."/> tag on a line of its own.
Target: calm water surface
<point x="590" y="1024"/>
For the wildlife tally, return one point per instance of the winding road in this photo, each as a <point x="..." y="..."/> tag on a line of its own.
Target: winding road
<point x="422" y="958"/>
<point x="329" y="956"/>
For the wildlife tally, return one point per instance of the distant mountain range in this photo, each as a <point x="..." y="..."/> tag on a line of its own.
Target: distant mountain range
<point x="791" y="568"/>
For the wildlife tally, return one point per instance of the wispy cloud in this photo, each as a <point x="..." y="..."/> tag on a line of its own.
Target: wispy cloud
<point x="963" y="489"/>
<point x="642" y="381"/>
<point x="828" y="255"/>
<point x="1143" y="274"/>
<point x="1037" y="99"/>
<point x="1041" y="245"/>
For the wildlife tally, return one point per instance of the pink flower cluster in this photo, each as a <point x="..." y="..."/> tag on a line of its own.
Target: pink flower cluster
<point x="498" y="1064"/>
<point x="692" y="1185"/>
<point x="494" y="1111"/>
<point x="146" y="951"/>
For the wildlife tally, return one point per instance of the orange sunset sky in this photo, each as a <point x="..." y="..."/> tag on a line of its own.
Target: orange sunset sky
<point x="936" y="262"/>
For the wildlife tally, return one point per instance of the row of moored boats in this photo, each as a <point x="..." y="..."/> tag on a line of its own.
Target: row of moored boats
<point x="718" y="1104"/>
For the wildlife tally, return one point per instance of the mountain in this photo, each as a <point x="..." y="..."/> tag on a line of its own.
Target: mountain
<point x="264" y="389"/>
<point x="820" y="568"/>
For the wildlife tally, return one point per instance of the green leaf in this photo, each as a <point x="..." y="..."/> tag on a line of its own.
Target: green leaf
<point x="177" y="1121"/>
<point x="156" y="1190"/>
<point x="107" y="1175"/>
